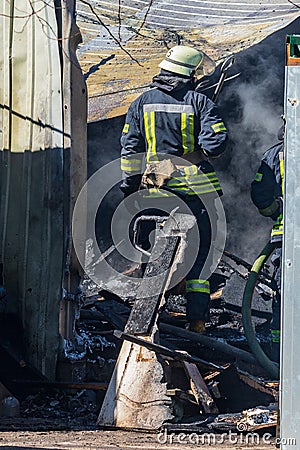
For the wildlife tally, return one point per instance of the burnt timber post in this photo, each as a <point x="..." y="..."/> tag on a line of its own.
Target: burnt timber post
<point x="137" y="395"/>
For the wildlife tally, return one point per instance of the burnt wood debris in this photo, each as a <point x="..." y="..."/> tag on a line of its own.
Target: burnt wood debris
<point x="194" y="382"/>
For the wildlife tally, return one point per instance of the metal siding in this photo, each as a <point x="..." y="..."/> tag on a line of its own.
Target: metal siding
<point x="290" y="364"/>
<point x="32" y="194"/>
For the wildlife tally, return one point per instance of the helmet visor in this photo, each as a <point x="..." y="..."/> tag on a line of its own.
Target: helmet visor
<point x="206" y="67"/>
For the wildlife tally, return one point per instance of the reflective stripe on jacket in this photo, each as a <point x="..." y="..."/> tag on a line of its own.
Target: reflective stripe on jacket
<point x="268" y="185"/>
<point x="192" y="180"/>
<point x="176" y="123"/>
<point x="196" y="180"/>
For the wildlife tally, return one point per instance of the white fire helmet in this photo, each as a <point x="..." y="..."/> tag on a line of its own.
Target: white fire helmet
<point x="187" y="61"/>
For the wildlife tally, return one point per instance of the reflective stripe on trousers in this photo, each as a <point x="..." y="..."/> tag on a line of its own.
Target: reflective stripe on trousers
<point x="275" y="335"/>
<point x="198" y="285"/>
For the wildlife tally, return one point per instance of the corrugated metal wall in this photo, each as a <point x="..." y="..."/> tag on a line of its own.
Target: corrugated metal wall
<point x="35" y="194"/>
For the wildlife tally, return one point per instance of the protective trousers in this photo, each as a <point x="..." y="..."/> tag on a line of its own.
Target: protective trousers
<point x="198" y="288"/>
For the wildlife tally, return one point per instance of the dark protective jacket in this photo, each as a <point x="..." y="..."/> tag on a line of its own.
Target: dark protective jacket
<point x="171" y="118"/>
<point x="267" y="188"/>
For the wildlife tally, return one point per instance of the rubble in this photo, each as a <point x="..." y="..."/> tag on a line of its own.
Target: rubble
<point x="258" y="418"/>
<point x="200" y="370"/>
<point x="81" y="405"/>
<point x="206" y="382"/>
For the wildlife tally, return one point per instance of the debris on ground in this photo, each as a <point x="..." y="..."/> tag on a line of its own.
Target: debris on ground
<point x="200" y="370"/>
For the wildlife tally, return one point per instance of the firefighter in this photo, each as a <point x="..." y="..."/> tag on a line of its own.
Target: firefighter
<point x="267" y="195"/>
<point x="173" y="119"/>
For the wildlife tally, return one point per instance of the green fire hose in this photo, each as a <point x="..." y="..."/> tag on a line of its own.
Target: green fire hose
<point x="271" y="367"/>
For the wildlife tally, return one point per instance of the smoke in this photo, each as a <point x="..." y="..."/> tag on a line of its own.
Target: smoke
<point x="251" y="106"/>
<point x="104" y="147"/>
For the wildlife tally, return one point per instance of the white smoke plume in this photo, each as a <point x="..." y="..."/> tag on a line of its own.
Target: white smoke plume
<point x="252" y="106"/>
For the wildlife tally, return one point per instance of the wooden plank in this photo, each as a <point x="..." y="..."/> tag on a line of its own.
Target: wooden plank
<point x="150" y="292"/>
<point x="177" y="355"/>
<point x="107" y="308"/>
<point x="257" y="384"/>
<point x="200" y="389"/>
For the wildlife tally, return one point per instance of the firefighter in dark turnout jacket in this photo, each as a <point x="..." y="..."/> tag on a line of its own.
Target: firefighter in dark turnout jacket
<point x="172" y="119"/>
<point x="267" y="195"/>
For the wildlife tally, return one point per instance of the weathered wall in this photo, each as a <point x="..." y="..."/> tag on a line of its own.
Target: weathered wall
<point x="36" y="161"/>
<point x="31" y="224"/>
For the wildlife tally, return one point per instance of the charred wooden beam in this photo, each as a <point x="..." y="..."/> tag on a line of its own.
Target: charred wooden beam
<point x="87" y="314"/>
<point x="207" y="341"/>
<point x="241" y="262"/>
<point x="127" y="403"/>
<point x="180" y="356"/>
<point x="107" y="308"/>
<point x="258" y="384"/>
<point x="62" y="385"/>
<point x="200" y="389"/>
<point x="254" y="312"/>
<point x="149" y="294"/>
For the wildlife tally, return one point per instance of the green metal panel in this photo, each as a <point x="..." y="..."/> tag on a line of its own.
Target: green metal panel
<point x="35" y="192"/>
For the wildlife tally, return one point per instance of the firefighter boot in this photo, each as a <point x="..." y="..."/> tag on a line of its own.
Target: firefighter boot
<point x="198" y="326"/>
